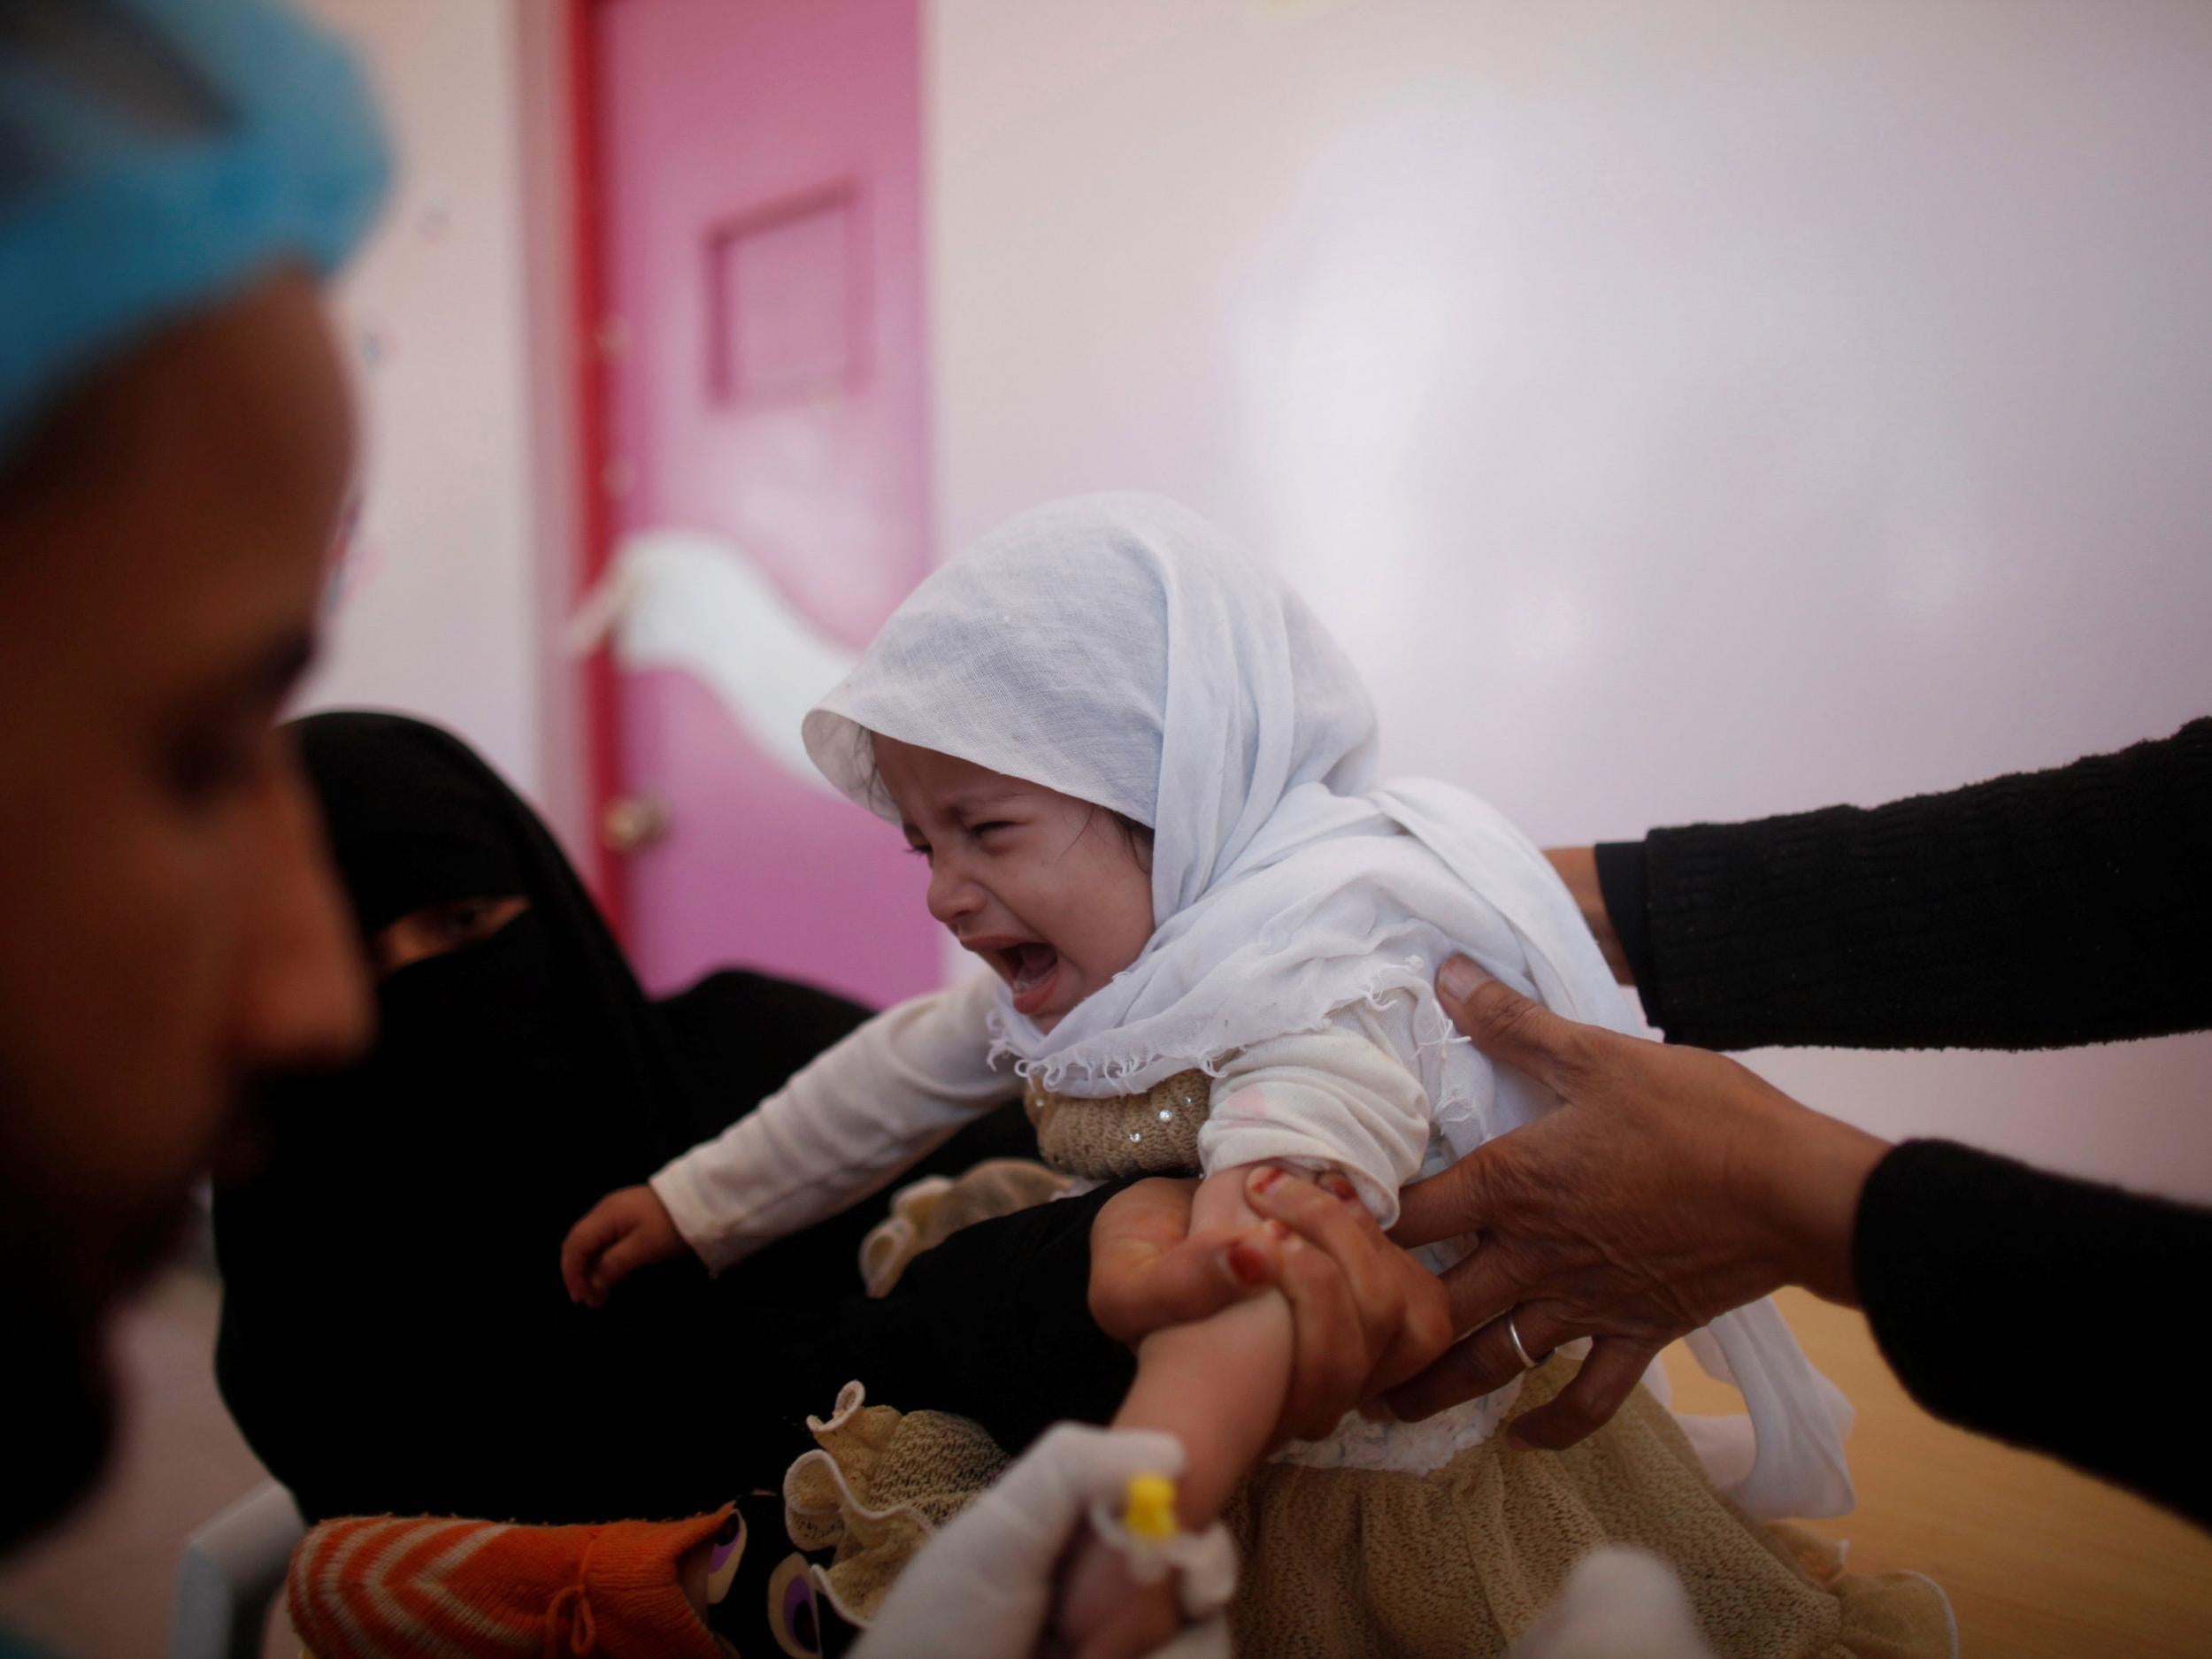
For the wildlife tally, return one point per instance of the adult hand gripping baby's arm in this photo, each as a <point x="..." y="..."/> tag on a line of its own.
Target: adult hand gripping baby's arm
<point x="1670" y="1185"/>
<point x="1365" y="1316"/>
<point x="1149" y="1270"/>
<point x="1171" y="1285"/>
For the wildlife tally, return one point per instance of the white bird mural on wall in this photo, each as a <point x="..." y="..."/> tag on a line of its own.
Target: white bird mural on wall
<point x="692" y="600"/>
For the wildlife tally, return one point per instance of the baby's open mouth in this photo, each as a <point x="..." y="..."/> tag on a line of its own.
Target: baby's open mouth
<point x="1026" y="966"/>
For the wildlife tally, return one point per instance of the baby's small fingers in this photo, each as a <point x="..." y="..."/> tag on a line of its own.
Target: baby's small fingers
<point x="579" y="1251"/>
<point x="623" y="1257"/>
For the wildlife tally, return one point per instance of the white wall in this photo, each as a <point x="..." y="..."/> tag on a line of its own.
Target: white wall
<point x="1685" y="411"/>
<point x="443" y="611"/>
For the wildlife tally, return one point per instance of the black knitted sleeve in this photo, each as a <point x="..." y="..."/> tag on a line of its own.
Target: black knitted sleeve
<point x="2003" y="1297"/>
<point x="2038" y="910"/>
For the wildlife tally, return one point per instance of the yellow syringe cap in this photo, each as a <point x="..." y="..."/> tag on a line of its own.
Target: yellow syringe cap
<point x="1150" y="1509"/>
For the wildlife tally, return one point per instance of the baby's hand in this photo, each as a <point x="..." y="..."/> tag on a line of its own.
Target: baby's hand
<point x="1104" y="1613"/>
<point x="628" y="1229"/>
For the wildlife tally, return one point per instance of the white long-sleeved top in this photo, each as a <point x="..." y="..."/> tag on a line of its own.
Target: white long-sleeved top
<point x="1346" y="1097"/>
<point x="1340" y="1098"/>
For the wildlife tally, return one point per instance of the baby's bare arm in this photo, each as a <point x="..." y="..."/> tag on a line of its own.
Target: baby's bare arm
<point x="1217" y="1385"/>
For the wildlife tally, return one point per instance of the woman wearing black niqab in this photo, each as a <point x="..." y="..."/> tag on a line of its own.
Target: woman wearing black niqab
<point x="396" y="1336"/>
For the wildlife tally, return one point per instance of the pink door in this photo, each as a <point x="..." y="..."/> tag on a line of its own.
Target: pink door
<point x="759" y="182"/>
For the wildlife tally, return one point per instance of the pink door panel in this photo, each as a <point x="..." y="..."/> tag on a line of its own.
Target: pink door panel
<point x="760" y="177"/>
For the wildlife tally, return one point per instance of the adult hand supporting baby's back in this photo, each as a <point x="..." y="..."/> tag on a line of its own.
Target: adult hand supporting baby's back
<point x="1670" y="1185"/>
<point x="628" y="1229"/>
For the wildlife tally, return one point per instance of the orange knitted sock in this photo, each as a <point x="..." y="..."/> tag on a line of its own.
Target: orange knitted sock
<point x="421" y="1589"/>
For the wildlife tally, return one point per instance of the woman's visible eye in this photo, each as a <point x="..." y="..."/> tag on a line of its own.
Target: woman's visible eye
<point x="980" y="830"/>
<point x="920" y="849"/>
<point x="463" y="920"/>
<point x="438" y="930"/>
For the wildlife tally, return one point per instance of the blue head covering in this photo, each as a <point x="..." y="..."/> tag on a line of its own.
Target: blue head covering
<point x="157" y="156"/>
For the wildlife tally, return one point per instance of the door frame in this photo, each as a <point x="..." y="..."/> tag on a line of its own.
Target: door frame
<point x="589" y="396"/>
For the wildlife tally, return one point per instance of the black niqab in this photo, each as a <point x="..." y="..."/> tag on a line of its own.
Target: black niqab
<point x="396" y="1336"/>
<point x="392" y="1270"/>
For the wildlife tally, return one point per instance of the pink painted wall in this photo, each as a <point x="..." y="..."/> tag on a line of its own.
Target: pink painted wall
<point x="443" y="614"/>
<point x="1685" y="411"/>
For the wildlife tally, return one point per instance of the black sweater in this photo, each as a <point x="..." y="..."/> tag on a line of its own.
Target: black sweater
<point x="2038" y="910"/>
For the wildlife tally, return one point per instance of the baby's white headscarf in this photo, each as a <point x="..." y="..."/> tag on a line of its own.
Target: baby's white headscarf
<point x="1119" y="649"/>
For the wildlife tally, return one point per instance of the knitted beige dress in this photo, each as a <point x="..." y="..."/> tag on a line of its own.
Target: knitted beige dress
<point x="1459" y="1561"/>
